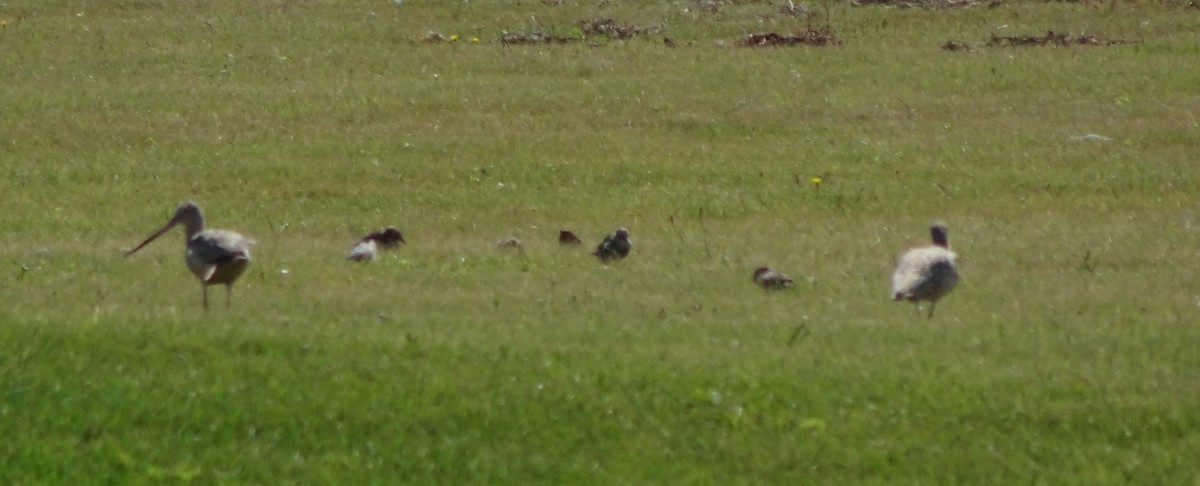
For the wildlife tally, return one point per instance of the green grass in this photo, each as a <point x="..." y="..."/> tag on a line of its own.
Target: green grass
<point x="1068" y="355"/>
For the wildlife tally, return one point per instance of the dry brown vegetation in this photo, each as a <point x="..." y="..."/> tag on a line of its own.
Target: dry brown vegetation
<point x="535" y="37"/>
<point x="584" y="29"/>
<point x="927" y="3"/>
<point x="958" y="46"/>
<point x="1052" y="38"/>
<point x="611" y="29"/>
<point x="819" y="37"/>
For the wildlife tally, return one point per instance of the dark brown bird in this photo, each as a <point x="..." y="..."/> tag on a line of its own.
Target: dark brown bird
<point x="772" y="280"/>
<point x="614" y="247"/>
<point x="365" y="249"/>
<point x="568" y="238"/>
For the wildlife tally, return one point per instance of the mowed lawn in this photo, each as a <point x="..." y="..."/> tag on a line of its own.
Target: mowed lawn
<point x="1067" y="174"/>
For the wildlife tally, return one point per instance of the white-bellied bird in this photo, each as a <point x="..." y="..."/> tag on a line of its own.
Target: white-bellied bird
<point x="366" y="248"/>
<point x="927" y="273"/>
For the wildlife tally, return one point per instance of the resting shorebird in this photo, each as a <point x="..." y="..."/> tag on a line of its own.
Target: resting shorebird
<point x="214" y="256"/>
<point x="614" y="247"/>
<point x="928" y="273"/>
<point x="365" y="249"/>
<point x="510" y="243"/>
<point x="770" y="279"/>
<point x="568" y="238"/>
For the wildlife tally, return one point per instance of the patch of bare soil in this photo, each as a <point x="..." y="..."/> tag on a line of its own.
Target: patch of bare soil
<point x="928" y="3"/>
<point x="516" y="38"/>
<point x="1053" y="39"/>
<point x="819" y="37"/>
<point x="596" y="27"/>
<point x="958" y="46"/>
<point x="611" y="29"/>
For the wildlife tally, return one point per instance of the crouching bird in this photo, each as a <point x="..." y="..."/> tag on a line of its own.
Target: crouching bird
<point x="214" y="256"/>
<point x="771" y="280"/>
<point x="365" y="249"/>
<point x="567" y="238"/>
<point x="927" y="273"/>
<point x="614" y="247"/>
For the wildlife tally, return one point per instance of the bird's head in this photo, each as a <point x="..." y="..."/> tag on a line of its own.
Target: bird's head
<point x="390" y="237"/>
<point x="940" y="235"/>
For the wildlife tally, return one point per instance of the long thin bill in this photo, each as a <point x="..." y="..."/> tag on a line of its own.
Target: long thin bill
<point x="156" y="234"/>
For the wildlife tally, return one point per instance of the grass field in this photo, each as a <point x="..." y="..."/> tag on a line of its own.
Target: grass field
<point x="1069" y="354"/>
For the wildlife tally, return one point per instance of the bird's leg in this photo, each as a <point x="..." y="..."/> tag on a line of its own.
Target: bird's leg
<point x="228" y="295"/>
<point x="931" y="306"/>
<point x="204" y="292"/>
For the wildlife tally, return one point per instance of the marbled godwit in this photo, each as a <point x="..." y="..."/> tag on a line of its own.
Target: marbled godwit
<point x="614" y="247"/>
<point x="770" y="279"/>
<point x="364" y="250"/>
<point x="928" y="273"/>
<point x="214" y="256"/>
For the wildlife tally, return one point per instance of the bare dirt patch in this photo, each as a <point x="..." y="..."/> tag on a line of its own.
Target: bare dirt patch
<point x="928" y="3"/>
<point x="1053" y="39"/>
<point x="613" y="30"/>
<point x="818" y="37"/>
<point x="1048" y="39"/>
<point x="603" y="27"/>
<point x="958" y="46"/>
<point x="517" y="38"/>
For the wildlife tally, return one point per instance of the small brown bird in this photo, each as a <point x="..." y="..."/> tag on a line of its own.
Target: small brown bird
<point x="771" y="280"/>
<point x="568" y="238"/>
<point x="927" y="273"/>
<point x="614" y="247"/>
<point x="216" y="257"/>
<point x="365" y="249"/>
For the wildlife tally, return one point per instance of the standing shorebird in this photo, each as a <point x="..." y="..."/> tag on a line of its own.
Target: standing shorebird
<point x="214" y="256"/>
<point x="771" y="280"/>
<point x="928" y="273"/>
<point x="614" y="247"/>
